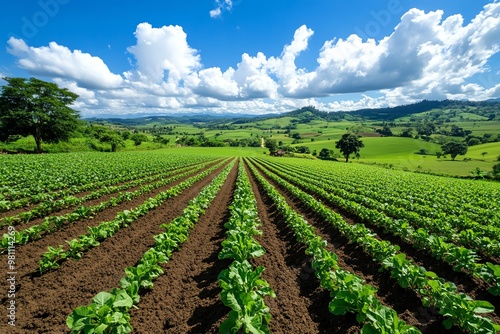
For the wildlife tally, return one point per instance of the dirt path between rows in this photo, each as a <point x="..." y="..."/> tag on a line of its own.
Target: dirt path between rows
<point x="301" y="305"/>
<point x="352" y="258"/>
<point x="185" y="298"/>
<point x="473" y="287"/>
<point x="43" y="303"/>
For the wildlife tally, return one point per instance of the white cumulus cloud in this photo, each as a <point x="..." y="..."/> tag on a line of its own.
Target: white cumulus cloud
<point x="290" y="78"/>
<point x="60" y="62"/>
<point x="160" y="50"/>
<point x="212" y="82"/>
<point x="427" y="56"/>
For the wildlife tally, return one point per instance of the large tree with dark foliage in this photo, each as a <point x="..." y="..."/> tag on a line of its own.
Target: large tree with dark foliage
<point x="349" y="144"/>
<point x="38" y="108"/>
<point x="454" y="148"/>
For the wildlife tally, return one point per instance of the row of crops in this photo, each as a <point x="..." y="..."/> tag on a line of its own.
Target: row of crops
<point x="397" y="220"/>
<point x="457" y="307"/>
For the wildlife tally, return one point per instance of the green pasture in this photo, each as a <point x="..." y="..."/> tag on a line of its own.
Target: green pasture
<point x="480" y="128"/>
<point x="402" y="153"/>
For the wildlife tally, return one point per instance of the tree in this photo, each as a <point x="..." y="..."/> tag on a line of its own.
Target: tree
<point x="302" y="149"/>
<point x="138" y="138"/>
<point x="271" y="145"/>
<point x="349" y="144"/>
<point x="164" y="141"/>
<point x="473" y="142"/>
<point x="325" y="154"/>
<point x="385" y="131"/>
<point x="125" y="135"/>
<point x="38" y="108"/>
<point x="458" y="131"/>
<point x="425" y="128"/>
<point x="454" y="148"/>
<point x="113" y="139"/>
<point x="496" y="171"/>
<point x="407" y="132"/>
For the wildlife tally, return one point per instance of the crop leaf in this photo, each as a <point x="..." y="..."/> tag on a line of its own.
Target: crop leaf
<point x="103" y="298"/>
<point x="482" y="306"/>
<point x="122" y="299"/>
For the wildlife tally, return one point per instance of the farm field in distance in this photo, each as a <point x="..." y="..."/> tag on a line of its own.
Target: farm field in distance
<point x="208" y="240"/>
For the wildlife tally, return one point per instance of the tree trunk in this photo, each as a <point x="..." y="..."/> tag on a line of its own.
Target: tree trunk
<point x="38" y="146"/>
<point x="346" y="158"/>
<point x="38" y="141"/>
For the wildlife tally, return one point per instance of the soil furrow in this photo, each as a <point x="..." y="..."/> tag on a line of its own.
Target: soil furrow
<point x="301" y="305"/>
<point x="43" y="302"/>
<point x="352" y="258"/>
<point x="475" y="288"/>
<point x="185" y="298"/>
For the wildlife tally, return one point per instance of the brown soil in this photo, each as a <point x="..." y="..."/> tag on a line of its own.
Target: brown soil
<point x="475" y="288"/>
<point x="185" y="298"/>
<point x="301" y="305"/>
<point x="352" y="258"/>
<point x="43" y="302"/>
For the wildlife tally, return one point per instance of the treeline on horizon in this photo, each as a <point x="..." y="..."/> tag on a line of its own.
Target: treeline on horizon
<point x="485" y="108"/>
<point x="489" y="109"/>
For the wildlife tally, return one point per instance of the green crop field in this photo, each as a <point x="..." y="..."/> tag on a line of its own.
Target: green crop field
<point x="113" y="242"/>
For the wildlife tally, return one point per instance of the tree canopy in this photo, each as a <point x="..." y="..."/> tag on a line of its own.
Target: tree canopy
<point x="454" y="148"/>
<point x="38" y="108"/>
<point x="349" y="144"/>
<point x="271" y="145"/>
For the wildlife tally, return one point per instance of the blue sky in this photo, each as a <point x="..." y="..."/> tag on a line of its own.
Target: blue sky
<point x="253" y="56"/>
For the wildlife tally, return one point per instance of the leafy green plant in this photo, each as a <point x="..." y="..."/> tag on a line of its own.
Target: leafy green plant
<point x="51" y="258"/>
<point x="433" y="290"/>
<point x="109" y="311"/>
<point x="243" y="289"/>
<point x="348" y="291"/>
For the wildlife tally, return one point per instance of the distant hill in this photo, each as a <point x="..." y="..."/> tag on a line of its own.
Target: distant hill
<point x="483" y="108"/>
<point x="145" y="120"/>
<point x="489" y="109"/>
<point x="132" y="120"/>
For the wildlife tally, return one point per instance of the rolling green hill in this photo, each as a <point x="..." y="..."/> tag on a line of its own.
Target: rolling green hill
<point x="477" y="123"/>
